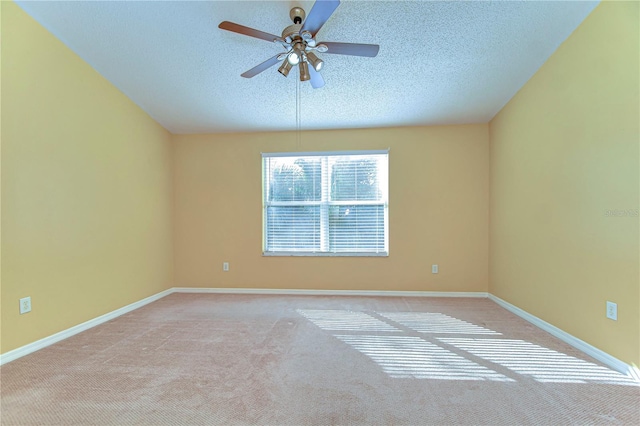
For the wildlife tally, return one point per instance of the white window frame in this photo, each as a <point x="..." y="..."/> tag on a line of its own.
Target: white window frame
<point x="324" y="204"/>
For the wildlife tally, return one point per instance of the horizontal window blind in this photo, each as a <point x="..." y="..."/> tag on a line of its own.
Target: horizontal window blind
<point x="332" y="203"/>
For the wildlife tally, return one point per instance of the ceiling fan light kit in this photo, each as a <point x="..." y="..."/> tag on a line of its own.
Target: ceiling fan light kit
<point x="299" y="43"/>
<point x="315" y="62"/>
<point x="285" y="68"/>
<point x="304" y="71"/>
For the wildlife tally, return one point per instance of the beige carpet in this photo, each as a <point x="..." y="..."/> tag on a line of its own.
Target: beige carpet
<point x="306" y="360"/>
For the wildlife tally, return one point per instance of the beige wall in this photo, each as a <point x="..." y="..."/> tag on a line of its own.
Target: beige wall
<point x="86" y="189"/>
<point x="1" y="175"/>
<point x="565" y="150"/>
<point x="438" y="211"/>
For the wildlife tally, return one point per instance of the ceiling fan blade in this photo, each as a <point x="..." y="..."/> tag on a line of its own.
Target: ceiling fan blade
<point x="354" y="49"/>
<point x="320" y="12"/>
<point x="261" y="67"/>
<point x="316" y="78"/>
<point x="241" y="29"/>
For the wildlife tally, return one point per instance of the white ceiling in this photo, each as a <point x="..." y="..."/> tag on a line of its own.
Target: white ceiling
<point x="444" y="62"/>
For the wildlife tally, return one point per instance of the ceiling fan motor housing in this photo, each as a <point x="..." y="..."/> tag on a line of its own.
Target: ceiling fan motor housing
<point x="291" y="32"/>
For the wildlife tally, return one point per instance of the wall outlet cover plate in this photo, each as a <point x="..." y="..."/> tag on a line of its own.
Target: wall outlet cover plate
<point x="612" y="311"/>
<point x="25" y="305"/>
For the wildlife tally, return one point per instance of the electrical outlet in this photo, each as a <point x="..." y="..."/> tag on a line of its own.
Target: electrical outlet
<point x="225" y="266"/>
<point x="434" y="269"/>
<point x="612" y="311"/>
<point x="25" y="305"/>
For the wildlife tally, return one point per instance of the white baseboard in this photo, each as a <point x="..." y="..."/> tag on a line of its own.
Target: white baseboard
<point x="304" y="292"/>
<point x="605" y="358"/>
<point x="64" y="334"/>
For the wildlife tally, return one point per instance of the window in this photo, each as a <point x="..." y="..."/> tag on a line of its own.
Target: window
<point x="318" y="203"/>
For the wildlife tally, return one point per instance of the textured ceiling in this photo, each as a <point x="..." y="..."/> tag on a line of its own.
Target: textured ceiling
<point x="439" y="62"/>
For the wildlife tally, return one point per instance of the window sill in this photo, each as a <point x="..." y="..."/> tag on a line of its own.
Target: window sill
<point x="322" y="254"/>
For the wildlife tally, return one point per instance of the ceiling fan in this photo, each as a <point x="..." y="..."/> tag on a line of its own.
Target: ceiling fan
<point x="299" y="42"/>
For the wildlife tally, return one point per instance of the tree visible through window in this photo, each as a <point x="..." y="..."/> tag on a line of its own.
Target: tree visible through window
<point x="326" y="203"/>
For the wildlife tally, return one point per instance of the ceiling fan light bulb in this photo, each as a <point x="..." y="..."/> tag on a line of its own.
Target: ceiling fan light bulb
<point x="293" y="58"/>
<point x="304" y="71"/>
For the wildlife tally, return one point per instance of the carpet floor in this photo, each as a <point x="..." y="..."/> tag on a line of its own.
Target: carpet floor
<point x="202" y="359"/>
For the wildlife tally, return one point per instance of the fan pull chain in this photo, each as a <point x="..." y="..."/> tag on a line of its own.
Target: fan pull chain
<point x="298" y="117"/>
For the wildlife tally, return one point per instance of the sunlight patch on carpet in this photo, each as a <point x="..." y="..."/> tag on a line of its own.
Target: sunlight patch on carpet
<point x="344" y="320"/>
<point x="543" y="364"/>
<point x="436" y="323"/>
<point x="413" y="357"/>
